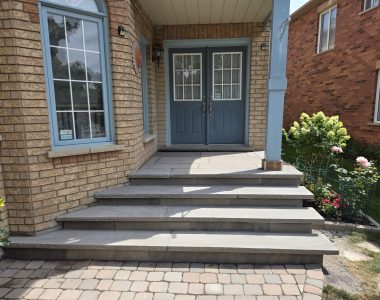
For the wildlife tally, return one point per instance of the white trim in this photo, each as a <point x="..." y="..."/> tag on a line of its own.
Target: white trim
<point x="374" y="3"/>
<point x="377" y="101"/>
<point x="327" y="11"/>
<point x="231" y="83"/>
<point x="183" y="79"/>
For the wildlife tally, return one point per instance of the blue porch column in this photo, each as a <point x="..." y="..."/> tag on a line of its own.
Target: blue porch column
<point x="277" y="84"/>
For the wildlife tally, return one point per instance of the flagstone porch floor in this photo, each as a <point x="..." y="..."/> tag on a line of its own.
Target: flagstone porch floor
<point x="113" y="280"/>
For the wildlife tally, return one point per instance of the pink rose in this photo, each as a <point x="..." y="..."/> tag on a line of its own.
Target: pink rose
<point x="336" y="149"/>
<point x="363" y="162"/>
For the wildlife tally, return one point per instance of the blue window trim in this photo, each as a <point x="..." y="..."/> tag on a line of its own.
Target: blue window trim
<point x="102" y="20"/>
<point x="144" y="81"/>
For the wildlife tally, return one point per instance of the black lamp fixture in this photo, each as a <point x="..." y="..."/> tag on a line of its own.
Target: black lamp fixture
<point x="263" y="46"/>
<point x="121" y="31"/>
<point x="156" y="54"/>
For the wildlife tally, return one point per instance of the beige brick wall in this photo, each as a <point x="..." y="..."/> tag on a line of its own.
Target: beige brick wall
<point x="39" y="188"/>
<point x="258" y="97"/>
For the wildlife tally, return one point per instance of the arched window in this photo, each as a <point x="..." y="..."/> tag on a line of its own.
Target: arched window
<point x="74" y="37"/>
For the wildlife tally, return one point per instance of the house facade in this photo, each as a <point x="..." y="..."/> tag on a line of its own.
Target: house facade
<point x="334" y="65"/>
<point x="91" y="89"/>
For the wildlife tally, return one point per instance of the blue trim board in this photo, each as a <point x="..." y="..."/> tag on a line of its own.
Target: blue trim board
<point x="144" y="81"/>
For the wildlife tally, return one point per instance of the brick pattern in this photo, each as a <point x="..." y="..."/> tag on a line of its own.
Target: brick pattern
<point x="154" y="281"/>
<point x="341" y="81"/>
<point x="39" y="188"/>
<point x="258" y="76"/>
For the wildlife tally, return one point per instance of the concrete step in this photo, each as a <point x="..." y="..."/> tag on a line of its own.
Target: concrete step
<point x="216" y="195"/>
<point x="224" y="175"/>
<point x="175" y="246"/>
<point x="194" y="218"/>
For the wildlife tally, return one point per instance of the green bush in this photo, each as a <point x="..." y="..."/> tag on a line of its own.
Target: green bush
<point x="3" y="233"/>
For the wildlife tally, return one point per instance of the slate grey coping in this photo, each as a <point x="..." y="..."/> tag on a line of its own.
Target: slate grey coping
<point x="216" y="191"/>
<point x="304" y="215"/>
<point x="236" y="242"/>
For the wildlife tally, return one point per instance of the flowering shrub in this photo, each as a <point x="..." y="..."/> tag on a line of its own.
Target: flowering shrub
<point x="3" y="233"/>
<point x="330" y="206"/>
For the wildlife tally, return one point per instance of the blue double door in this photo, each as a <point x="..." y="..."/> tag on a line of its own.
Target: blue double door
<point x="207" y="95"/>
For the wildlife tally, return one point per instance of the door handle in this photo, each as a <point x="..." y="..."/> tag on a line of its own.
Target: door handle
<point x="203" y="107"/>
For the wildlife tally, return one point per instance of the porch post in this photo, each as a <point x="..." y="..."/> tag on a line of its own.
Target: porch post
<point x="277" y="84"/>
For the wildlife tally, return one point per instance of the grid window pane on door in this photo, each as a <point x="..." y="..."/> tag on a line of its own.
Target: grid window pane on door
<point x="227" y="72"/>
<point x="77" y="77"/>
<point x="187" y="74"/>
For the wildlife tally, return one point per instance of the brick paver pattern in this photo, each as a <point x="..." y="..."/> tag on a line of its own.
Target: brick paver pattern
<point x="87" y="280"/>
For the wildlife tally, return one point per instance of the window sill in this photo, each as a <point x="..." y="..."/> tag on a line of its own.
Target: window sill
<point x="374" y="124"/>
<point x="84" y="150"/>
<point x="368" y="10"/>
<point x="148" y="138"/>
<point x="323" y="52"/>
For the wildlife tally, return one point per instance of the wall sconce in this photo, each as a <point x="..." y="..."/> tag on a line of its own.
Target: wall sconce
<point x="156" y="55"/>
<point x="263" y="46"/>
<point x="121" y="31"/>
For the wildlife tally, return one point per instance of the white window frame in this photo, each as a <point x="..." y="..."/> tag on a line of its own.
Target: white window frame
<point x="191" y="84"/>
<point x="319" y="50"/>
<point x="377" y="101"/>
<point x="222" y="69"/>
<point x="374" y="3"/>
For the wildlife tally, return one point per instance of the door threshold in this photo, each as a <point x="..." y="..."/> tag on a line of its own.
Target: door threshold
<point x="205" y="148"/>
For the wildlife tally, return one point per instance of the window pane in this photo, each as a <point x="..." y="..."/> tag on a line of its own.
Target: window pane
<point x="187" y="77"/>
<point x="96" y="96"/>
<point x="236" y="60"/>
<point x="187" y="61"/>
<point x="59" y="63"/>
<point x="227" y="76"/>
<point x="226" y="92"/>
<point x="62" y="95"/>
<point x="89" y="5"/>
<point x="74" y="33"/>
<point x="197" y="92"/>
<point x="179" y="92"/>
<point x="77" y="65"/>
<point x="97" y="125"/>
<point x="217" y="92"/>
<point x="236" y="91"/>
<point x="178" y="62"/>
<point x="65" y="126"/>
<point x="217" y="61"/>
<point x="218" y="76"/>
<point x="56" y="27"/>
<point x="324" y="32"/>
<point x="196" y="61"/>
<point x="226" y="60"/>
<point x="93" y="66"/>
<point x="91" y="36"/>
<point x="236" y="76"/>
<point x="332" y="28"/>
<point x="188" y="93"/>
<point x="196" y="76"/>
<point x="82" y="125"/>
<point x="178" y="77"/>
<point x="79" y="95"/>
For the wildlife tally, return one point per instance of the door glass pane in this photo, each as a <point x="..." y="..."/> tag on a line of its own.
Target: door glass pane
<point x="236" y="91"/>
<point x="97" y="124"/>
<point x="178" y="92"/>
<point x="218" y="61"/>
<point x="236" y="60"/>
<point x="196" y="92"/>
<point x="227" y="76"/>
<point x="235" y="76"/>
<point x="79" y="90"/>
<point x="62" y="95"/>
<point x="74" y="33"/>
<point x="178" y="62"/>
<point x="196" y="76"/>
<point x="77" y="65"/>
<point x="56" y="27"/>
<point x="332" y="28"/>
<point x="59" y="63"/>
<point x="187" y="62"/>
<point x="82" y="125"/>
<point x="188" y="92"/>
<point x="218" y="92"/>
<point x="91" y="36"/>
<point x="65" y="126"/>
<point x="187" y="77"/>
<point x="93" y="66"/>
<point x="218" y="76"/>
<point x="96" y="96"/>
<point x="226" y="61"/>
<point x="196" y="62"/>
<point x="226" y="92"/>
<point x="178" y="77"/>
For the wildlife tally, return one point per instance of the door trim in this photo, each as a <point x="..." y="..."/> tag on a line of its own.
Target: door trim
<point x="197" y="43"/>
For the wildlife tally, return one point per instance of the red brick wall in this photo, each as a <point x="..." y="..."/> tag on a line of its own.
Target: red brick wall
<point x="341" y="81"/>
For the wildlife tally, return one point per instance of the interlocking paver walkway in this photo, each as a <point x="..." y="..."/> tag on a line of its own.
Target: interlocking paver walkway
<point x="85" y="280"/>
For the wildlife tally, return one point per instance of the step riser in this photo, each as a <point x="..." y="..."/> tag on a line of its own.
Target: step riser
<point x="162" y="256"/>
<point x="190" y="226"/>
<point x="217" y="181"/>
<point x="201" y="202"/>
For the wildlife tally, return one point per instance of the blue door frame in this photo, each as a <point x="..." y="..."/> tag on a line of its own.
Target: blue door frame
<point x="214" y="116"/>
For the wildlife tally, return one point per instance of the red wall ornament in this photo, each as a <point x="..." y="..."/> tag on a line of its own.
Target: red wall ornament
<point x="137" y="58"/>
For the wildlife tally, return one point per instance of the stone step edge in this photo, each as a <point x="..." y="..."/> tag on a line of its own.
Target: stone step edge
<point x="277" y="243"/>
<point x="313" y="217"/>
